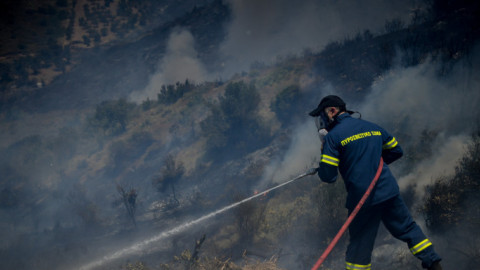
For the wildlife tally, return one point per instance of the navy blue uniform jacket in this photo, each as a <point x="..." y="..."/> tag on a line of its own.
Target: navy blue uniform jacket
<point x="355" y="146"/>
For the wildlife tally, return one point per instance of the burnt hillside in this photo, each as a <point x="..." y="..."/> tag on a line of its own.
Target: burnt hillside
<point x="109" y="70"/>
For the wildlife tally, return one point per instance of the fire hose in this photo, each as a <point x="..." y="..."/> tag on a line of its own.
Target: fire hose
<point x="350" y="218"/>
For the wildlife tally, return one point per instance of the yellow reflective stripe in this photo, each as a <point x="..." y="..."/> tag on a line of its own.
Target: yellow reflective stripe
<point x="420" y="246"/>
<point x="330" y="160"/>
<point x="352" y="266"/>
<point x="391" y="144"/>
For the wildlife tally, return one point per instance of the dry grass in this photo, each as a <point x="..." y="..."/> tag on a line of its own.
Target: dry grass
<point x="266" y="265"/>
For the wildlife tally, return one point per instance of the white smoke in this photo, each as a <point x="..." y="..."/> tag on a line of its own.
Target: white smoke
<point x="179" y="63"/>
<point x="261" y="30"/>
<point x="424" y="100"/>
<point x="302" y="154"/>
<point x="441" y="163"/>
<point x="416" y="99"/>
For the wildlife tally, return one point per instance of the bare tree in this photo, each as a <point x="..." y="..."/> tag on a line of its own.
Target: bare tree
<point x="129" y="200"/>
<point x="249" y="217"/>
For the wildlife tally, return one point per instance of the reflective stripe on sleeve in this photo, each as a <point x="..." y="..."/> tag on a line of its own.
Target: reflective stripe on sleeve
<point x="352" y="266"/>
<point x="420" y="246"/>
<point x="330" y="160"/>
<point x="391" y="144"/>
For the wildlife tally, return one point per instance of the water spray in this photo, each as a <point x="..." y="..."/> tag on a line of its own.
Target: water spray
<point x="140" y="246"/>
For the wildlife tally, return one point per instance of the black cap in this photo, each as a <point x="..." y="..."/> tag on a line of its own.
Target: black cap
<point x="329" y="101"/>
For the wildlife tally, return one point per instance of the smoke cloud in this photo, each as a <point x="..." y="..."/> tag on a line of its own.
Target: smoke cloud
<point x="262" y="30"/>
<point x="417" y="99"/>
<point x="179" y="63"/>
<point x="442" y="163"/>
<point x="302" y="154"/>
<point x="422" y="100"/>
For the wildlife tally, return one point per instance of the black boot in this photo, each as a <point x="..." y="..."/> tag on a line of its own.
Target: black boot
<point x="435" y="266"/>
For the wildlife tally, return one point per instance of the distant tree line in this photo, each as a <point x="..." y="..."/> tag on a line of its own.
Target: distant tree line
<point x="169" y="94"/>
<point x="355" y="62"/>
<point x="43" y="29"/>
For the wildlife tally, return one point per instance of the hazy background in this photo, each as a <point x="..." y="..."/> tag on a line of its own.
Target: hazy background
<point x="266" y="31"/>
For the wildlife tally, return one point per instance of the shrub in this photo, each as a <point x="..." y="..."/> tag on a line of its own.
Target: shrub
<point x="169" y="176"/>
<point x="112" y="117"/>
<point x="136" y="266"/>
<point x="129" y="199"/>
<point x="285" y="104"/>
<point x="83" y="207"/>
<point x="171" y="93"/>
<point x="454" y="200"/>
<point x="233" y="127"/>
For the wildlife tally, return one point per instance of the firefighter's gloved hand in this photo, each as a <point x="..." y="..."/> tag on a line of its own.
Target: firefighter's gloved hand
<point x="322" y="133"/>
<point x="312" y="171"/>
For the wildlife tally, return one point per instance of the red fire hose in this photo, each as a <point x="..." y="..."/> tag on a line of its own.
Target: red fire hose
<point x="350" y="218"/>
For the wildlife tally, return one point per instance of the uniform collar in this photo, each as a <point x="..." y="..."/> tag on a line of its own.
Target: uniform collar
<point x="338" y="119"/>
<point x="343" y="116"/>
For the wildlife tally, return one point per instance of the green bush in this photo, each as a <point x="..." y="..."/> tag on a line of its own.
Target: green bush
<point x="286" y="103"/>
<point x="111" y="117"/>
<point x="147" y="104"/>
<point x="233" y="126"/>
<point x="171" y="93"/>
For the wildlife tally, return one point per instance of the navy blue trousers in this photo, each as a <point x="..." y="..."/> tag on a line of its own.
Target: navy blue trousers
<point x="397" y="219"/>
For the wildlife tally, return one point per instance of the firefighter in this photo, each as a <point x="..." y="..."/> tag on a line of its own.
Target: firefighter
<point x="354" y="147"/>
